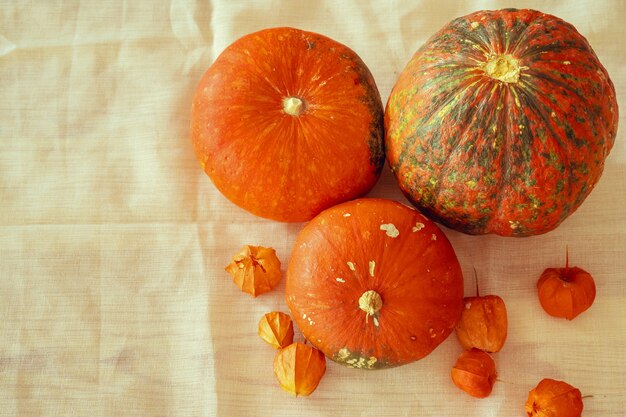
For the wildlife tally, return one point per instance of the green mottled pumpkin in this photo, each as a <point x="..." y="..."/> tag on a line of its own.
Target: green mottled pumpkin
<point x="501" y="123"/>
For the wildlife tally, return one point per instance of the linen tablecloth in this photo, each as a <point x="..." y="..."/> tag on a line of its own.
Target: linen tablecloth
<point x="113" y="296"/>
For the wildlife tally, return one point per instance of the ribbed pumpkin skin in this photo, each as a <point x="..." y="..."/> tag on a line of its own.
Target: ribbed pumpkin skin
<point x="505" y="156"/>
<point x="374" y="245"/>
<point x="274" y="164"/>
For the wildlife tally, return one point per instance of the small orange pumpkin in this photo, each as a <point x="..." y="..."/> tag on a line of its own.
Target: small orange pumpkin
<point x="475" y="373"/>
<point x="552" y="398"/>
<point x="287" y="123"/>
<point x="566" y="292"/>
<point x="373" y="284"/>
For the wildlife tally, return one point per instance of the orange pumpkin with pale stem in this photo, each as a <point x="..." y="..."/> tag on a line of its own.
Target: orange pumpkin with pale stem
<point x="373" y="283"/>
<point x="287" y="123"/>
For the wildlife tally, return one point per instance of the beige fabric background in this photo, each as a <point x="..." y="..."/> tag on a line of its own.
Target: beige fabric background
<point x="113" y="298"/>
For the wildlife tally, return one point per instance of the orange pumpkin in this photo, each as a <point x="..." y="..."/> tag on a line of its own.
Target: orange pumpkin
<point x="373" y="283"/>
<point x="287" y="123"/>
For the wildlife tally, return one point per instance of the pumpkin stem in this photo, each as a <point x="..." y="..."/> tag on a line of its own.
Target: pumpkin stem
<point x="503" y="68"/>
<point x="370" y="302"/>
<point x="293" y="106"/>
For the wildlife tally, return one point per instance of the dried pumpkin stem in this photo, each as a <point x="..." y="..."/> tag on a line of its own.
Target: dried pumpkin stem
<point x="370" y="302"/>
<point x="293" y="106"/>
<point x="503" y="68"/>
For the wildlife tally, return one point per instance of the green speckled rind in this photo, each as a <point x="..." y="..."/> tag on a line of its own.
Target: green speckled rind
<point x="481" y="155"/>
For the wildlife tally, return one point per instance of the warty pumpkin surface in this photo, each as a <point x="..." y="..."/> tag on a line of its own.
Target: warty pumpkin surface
<point x="374" y="284"/>
<point x="501" y="123"/>
<point x="287" y="123"/>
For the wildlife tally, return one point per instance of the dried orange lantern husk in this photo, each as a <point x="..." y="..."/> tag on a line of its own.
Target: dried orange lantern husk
<point x="255" y="269"/>
<point x="483" y="323"/>
<point x="299" y="368"/>
<point x="552" y="398"/>
<point x="566" y="292"/>
<point x="276" y="328"/>
<point x="475" y="373"/>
